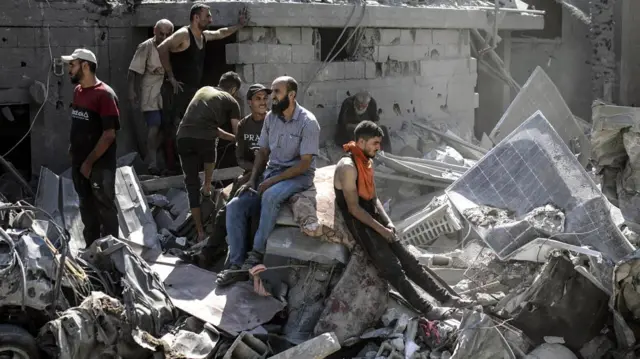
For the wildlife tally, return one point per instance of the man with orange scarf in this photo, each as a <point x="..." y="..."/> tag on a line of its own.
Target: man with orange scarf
<point x="373" y="231"/>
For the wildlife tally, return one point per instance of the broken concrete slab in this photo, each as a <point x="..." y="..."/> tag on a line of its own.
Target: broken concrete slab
<point x="292" y="243"/>
<point x="562" y="303"/>
<point x="134" y="160"/>
<point x="164" y="183"/>
<point x="551" y="351"/>
<point x="354" y="303"/>
<point x="541" y="170"/>
<point x="136" y="220"/>
<point x="539" y="93"/>
<point x="318" y="347"/>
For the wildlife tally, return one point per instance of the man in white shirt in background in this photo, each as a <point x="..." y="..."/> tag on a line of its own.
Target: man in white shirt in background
<point x="147" y="97"/>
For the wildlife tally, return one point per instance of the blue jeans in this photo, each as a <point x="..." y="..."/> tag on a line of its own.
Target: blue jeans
<point x="241" y="208"/>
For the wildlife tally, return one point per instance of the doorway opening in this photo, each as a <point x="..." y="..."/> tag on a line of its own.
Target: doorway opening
<point x="14" y="122"/>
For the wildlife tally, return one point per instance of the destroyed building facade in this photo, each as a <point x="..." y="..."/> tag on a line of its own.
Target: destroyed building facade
<point x="423" y="70"/>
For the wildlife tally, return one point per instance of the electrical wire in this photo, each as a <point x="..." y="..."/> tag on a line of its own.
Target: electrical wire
<point x="46" y="95"/>
<point x="329" y="58"/>
<point x="16" y="259"/>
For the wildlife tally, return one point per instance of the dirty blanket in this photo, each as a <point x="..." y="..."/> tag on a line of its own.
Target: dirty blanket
<point x="315" y="211"/>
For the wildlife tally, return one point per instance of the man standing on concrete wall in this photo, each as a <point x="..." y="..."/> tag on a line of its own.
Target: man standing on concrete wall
<point x="182" y="56"/>
<point x="209" y="109"/>
<point x="247" y="140"/>
<point x="284" y="165"/>
<point x="95" y="118"/>
<point x="148" y="99"/>
<point x="355" y="109"/>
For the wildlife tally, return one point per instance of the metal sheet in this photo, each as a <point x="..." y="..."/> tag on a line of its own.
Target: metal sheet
<point x="530" y="168"/>
<point x="135" y="217"/>
<point x="233" y="309"/>
<point x="541" y="94"/>
<point x="71" y="212"/>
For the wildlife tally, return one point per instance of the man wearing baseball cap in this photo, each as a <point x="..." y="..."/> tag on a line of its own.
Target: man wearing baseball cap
<point x="247" y="137"/>
<point x="95" y="118"/>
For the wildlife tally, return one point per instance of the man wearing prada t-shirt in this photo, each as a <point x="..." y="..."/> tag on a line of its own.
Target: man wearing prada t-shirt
<point x="249" y="130"/>
<point x="94" y="122"/>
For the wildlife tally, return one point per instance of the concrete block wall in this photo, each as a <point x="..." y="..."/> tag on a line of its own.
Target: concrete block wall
<point x="26" y="58"/>
<point x="412" y="73"/>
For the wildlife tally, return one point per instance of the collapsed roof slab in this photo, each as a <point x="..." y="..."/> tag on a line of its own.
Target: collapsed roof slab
<point x="271" y="14"/>
<point x="268" y="14"/>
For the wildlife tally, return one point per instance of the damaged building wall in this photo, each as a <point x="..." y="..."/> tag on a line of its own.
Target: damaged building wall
<point x="565" y="58"/>
<point x="629" y="52"/>
<point x="412" y="73"/>
<point x="33" y="36"/>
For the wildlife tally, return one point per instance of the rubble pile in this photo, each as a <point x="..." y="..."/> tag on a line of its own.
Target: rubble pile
<point x="519" y="227"/>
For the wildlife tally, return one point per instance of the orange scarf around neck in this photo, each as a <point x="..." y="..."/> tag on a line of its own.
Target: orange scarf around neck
<point x="364" y="165"/>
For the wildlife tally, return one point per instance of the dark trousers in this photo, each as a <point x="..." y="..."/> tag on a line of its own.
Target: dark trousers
<point x="194" y="153"/>
<point x="97" y="196"/>
<point x="174" y="106"/>
<point x="396" y="264"/>
<point x="216" y="243"/>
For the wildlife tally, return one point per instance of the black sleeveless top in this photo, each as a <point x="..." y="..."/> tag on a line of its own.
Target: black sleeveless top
<point x="341" y="201"/>
<point x="188" y="65"/>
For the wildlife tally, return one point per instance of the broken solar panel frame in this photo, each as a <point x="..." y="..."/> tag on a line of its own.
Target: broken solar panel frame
<point x="530" y="168"/>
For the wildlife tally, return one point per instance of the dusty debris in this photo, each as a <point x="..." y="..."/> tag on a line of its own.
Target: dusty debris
<point x="487" y="216"/>
<point x="318" y="347"/>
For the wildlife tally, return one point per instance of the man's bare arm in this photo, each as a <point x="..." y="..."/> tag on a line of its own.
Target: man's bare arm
<point x="260" y="163"/>
<point x="234" y="125"/>
<point x="383" y="214"/>
<point x="347" y="175"/>
<point x="106" y="139"/>
<point x="226" y="135"/>
<point x="210" y="35"/>
<point x="171" y="44"/>
<point x="132" y="79"/>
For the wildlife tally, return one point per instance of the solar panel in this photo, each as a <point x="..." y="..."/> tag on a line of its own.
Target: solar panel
<point x="530" y="168"/>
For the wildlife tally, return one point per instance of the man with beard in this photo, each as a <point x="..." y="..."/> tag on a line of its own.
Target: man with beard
<point x="355" y="109"/>
<point x="94" y="122"/>
<point x="146" y="63"/>
<point x="182" y="55"/>
<point x="372" y="229"/>
<point x="247" y="138"/>
<point x="208" y="111"/>
<point x="284" y="165"/>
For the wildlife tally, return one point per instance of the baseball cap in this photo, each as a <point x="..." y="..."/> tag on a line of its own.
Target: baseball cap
<point x="81" y="54"/>
<point x="255" y="88"/>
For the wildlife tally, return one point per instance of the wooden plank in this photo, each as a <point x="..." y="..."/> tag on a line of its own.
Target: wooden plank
<point x="162" y="183"/>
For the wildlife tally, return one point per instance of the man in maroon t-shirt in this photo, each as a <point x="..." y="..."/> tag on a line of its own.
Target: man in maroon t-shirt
<point x="94" y="122"/>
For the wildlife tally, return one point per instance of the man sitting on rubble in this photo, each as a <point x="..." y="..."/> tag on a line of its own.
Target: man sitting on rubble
<point x="209" y="109"/>
<point x="355" y="109"/>
<point x="289" y="141"/>
<point x="372" y="229"/>
<point x="247" y="138"/>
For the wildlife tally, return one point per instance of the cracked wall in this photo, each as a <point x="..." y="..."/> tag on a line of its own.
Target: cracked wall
<point x="412" y="73"/>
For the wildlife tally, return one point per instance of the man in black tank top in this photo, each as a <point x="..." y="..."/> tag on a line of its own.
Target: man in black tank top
<point x="372" y="229"/>
<point x="183" y="57"/>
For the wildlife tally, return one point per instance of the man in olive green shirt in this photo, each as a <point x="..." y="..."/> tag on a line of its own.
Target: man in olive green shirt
<point x="208" y="111"/>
